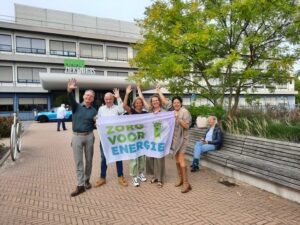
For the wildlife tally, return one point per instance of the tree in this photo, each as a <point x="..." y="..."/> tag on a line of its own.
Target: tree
<point x="297" y="88"/>
<point x="213" y="47"/>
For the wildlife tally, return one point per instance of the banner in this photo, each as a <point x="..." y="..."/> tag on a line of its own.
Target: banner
<point x="130" y="136"/>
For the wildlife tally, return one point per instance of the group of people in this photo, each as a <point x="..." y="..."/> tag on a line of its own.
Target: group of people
<point x="84" y="118"/>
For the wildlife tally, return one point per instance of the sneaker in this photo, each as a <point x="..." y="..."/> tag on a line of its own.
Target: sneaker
<point x="142" y="178"/>
<point x="122" y="181"/>
<point x="135" y="182"/>
<point x="100" y="182"/>
<point x="195" y="168"/>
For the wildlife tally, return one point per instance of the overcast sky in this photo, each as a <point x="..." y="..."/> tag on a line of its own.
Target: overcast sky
<point x="127" y="10"/>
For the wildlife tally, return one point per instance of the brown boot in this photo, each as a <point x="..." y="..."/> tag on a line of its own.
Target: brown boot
<point x="186" y="187"/>
<point x="180" y="181"/>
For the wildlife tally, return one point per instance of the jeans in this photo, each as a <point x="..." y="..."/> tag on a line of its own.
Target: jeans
<point x="200" y="147"/>
<point x="61" y="121"/>
<point x="103" y="165"/>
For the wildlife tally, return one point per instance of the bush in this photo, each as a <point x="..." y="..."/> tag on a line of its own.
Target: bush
<point x="206" y="110"/>
<point x="5" y="126"/>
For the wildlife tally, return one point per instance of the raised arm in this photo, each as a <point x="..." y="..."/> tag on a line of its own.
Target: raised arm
<point x="146" y="105"/>
<point x="72" y="85"/>
<point x="164" y="100"/>
<point x="119" y="100"/>
<point x="125" y="103"/>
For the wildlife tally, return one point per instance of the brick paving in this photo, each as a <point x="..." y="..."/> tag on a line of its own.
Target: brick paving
<point x="36" y="190"/>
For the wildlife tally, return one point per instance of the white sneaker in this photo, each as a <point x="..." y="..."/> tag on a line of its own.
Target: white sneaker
<point x="135" y="182"/>
<point x="142" y="177"/>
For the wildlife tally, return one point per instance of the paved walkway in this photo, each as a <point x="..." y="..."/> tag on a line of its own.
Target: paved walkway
<point x="36" y="190"/>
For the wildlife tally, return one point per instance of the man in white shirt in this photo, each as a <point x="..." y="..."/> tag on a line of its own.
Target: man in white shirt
<point x="110" y="109"/>
<point x="60" y="116"/>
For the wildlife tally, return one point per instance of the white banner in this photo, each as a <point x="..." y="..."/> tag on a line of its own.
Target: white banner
<point x="130" y="136"/>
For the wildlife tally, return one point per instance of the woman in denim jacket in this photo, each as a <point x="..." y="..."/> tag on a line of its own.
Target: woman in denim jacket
<point x="212" y="140"/>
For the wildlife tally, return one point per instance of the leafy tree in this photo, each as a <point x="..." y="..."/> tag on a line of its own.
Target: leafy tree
<point x="297" y="88"/>
<point x="213" y="47"/>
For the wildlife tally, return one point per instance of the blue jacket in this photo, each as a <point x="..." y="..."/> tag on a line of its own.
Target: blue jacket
<point x="217" y="137"/>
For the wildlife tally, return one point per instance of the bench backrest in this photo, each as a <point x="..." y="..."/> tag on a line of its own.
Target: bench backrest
<point x="280" y="152"/>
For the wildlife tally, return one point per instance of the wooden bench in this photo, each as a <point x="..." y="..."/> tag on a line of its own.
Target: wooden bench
<point x="271" y="160"/>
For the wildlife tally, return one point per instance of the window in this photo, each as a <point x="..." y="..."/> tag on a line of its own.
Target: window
<point x="6" y="74"/>
<point x="135" y="52"/>
<point x="6" y="104"/>
<point x="63" y="48"/>
<point x="29" y="104"/>
<point x="57" y="70"/>
<point x="5" y="43"/>
<point x="99" y="72"/>
<point x="117" y="53"/>
<point x="91" y="51"/>
<point x="117" y="74"/>
<point x="29" y="74"/>
<point x="282" y="86"/>
<point x="31" y="45"/>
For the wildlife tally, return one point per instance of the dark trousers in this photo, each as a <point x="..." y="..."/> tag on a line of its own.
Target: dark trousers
<point x="119" y="165"/>
<point x="61" y="121"/>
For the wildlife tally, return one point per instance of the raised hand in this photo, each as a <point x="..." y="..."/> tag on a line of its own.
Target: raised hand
<point x="72" y="84"/>
<point x="116" y="93"/>
<point x="158" y="88"/>
<point x="128" y="89"/>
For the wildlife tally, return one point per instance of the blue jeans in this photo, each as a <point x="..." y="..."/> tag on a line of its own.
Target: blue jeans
<point x="200" y="147"/>
<point x="103" y="165"/>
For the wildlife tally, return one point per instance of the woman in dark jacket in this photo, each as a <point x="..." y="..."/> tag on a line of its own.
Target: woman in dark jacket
<point x="212" y="141"/>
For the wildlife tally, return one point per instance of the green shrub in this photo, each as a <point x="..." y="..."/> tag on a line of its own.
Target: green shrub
<point x="5" y="126"/>
<point x="285" y="132"/>
<point x="206" y="110"/>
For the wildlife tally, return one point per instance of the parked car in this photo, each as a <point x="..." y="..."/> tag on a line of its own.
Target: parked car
<point x="50" y="116"/>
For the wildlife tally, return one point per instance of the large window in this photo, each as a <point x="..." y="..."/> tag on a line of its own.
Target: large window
<point x="63" y="48"/>
<point x="29" y="74"/>
<point x="6" y="104"/>
<point x="91" y="51"/>
<point x="117" y="53"/>
<point x="6" y="74"/>
<point x="29" y="104"/>
<point x="117" y="74"/>
<point x="5" y="43"/>
<point x="31" y="45"/>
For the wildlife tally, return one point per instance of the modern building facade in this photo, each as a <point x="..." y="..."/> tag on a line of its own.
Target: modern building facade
<point x="35" y="47"/>
<point x="41" y="49"/>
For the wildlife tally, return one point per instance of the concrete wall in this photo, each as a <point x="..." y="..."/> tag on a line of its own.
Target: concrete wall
<point x="72" y="21"/>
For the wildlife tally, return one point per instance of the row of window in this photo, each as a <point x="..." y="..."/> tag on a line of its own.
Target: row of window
<point x="31" y="74"/>
<point x="62" y="48"/>
<point x="25" y="104"/>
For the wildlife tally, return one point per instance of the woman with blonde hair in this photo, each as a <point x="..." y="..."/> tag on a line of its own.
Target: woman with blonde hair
<point x="211" y="141"/>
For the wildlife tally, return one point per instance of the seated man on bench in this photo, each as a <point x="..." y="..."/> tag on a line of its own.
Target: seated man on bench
<point x="211" y="141"/>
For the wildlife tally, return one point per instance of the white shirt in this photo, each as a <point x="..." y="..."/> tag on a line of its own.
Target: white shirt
<point x="114" y="110"/>
<point x="61" y="112"/>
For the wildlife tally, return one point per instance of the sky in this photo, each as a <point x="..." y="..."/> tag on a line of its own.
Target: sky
<point x="127" y="10"/>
